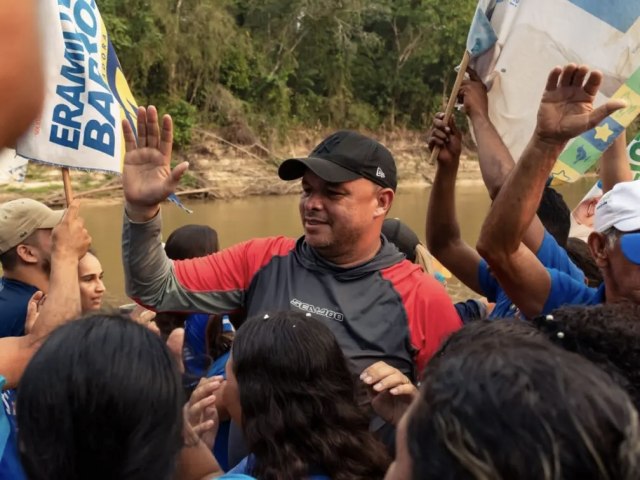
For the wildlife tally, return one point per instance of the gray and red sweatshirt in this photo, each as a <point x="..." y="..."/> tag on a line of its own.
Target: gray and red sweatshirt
<point x="385" y="309"/>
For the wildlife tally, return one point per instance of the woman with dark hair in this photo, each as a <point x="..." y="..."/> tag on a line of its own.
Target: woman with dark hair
<point x="512" y="405"/>
<point x="289" y="387"/>
<point x="101" y="399"/>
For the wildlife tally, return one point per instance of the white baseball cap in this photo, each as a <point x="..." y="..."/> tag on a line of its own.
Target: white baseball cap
<point x="619" y="208"/>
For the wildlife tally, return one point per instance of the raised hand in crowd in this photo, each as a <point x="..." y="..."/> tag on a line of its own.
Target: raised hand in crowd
<point x="147" y="177"/>
<point x="200" y="414"/>
<point x="448" y="138"/>
<point x="391" y="391"/>
<point x="566" y="109"/>
<point x="33" y="310"/>
<point x="473" y="95"/>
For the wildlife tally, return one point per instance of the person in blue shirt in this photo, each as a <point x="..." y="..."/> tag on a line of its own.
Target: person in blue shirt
<point x="289" y="387"/>
<point x="546" y="235"/>
<point x="566" y="110"/>
<point x="70" y="242"/>
<point x="25" y="255"/>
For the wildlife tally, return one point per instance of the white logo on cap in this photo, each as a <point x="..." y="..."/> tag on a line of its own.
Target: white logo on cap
<point x="380" y="173"/>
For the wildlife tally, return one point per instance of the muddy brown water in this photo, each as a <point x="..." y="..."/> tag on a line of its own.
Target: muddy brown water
<point x="242" y="219"/>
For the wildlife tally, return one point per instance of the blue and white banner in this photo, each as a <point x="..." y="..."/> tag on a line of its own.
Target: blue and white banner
<point x="533" y="36"/>
<point x="87" y="96"/>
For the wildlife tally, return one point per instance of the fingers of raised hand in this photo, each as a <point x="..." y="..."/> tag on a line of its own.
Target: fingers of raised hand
<point x="166" y="136"/>
<point x="153" y="130"/>
<point x="130" y="142"/>
<point x="566" y="77"/>
<point x="142" y="127"/>
<point x="552" y="79"/>
<point x="593" y="83"/>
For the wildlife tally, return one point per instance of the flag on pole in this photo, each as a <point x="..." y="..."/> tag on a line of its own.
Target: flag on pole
<point x="86" y="93"/>
<point x="533" y="36"/>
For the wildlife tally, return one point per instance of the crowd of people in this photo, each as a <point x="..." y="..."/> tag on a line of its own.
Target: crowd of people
<point x="338" y="355"/>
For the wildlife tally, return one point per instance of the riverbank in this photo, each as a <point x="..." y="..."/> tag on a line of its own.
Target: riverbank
<point x="222" y="169"/>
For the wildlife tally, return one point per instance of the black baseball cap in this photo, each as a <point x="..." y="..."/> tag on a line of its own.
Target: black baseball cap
<point x="345" y="156"/>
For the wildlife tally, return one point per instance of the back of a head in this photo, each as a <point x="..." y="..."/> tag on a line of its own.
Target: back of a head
<point x="191" y="241"/>
<point x="579" y="253"/>
<point x="607" y="335"/>
<point x="518" y="407"/>
<point x="100" y="399"/>
<point x="297" y="392"/>
<point x="555" y="215"/>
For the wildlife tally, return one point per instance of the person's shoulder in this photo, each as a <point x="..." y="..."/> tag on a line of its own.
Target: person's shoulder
<point x="279" y="245"/>
<point x="565" y="290"/>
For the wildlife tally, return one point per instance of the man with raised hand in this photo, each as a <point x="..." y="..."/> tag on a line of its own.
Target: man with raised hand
<point x="342" y="271"/>
<point x="566" y="110"/>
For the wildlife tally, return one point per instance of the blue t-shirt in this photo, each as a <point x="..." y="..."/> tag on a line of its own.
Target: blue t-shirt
<point x="221" y="445"/>
<point x="14" y="299"/>
<point x="568" y="291"/>
<point x="10" y="467"/>
<point x="244" y="468"/>
<point x="550" y="254"/>
<point x="194" y="352"/>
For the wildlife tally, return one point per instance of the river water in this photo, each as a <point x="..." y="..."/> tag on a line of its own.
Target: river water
<point x="242" y="219"/>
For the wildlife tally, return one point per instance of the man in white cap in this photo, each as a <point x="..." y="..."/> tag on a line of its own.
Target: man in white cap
<point x="566" y="111"/>
<point x="25" y="255"/>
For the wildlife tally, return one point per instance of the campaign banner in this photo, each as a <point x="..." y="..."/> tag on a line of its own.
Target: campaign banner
<point x="87" y="95"/>
<point x="532" y="37"/>
<point x="583" y="152"/>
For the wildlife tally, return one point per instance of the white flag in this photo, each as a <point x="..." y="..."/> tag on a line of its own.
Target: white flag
<point x="87" y="96"/>
<point x="533" y="36"/>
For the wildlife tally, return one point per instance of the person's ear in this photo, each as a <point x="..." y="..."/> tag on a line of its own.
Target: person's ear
<point x="598" y="246"/>
<point x="384" y="197"/>
<point x="27" y="253"/>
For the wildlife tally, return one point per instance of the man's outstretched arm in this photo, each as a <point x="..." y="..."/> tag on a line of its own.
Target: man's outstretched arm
<point x="443" y="232"/>
<point x="496" y="162"/>
<point x="566" y="110"/>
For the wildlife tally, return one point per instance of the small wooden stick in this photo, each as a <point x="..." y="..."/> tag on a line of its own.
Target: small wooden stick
<point x="66" y="181"/>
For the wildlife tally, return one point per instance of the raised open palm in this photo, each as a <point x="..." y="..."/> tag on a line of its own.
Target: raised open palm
<point x="147" y="177"/>
<point x="566" y="109"/>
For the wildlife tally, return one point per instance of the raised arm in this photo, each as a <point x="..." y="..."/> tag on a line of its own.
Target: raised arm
<point x="566" y="110"/>
<point x="70" y="242"/>
<point x="443" y="232"/>
<point x="496" y="163"/>
<point x="614" y="164"/>
<point x="21" y="80"/>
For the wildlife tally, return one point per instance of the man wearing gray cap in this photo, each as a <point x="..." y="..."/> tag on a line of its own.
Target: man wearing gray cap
<point x="25" y="256"/>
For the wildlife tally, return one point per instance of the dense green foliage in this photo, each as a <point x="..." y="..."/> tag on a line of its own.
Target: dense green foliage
<point x="274" y="64"/>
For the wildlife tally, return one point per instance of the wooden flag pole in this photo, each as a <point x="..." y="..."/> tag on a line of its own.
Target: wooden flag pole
<point x="452" y="99"/>
<point x="66" y="181"/>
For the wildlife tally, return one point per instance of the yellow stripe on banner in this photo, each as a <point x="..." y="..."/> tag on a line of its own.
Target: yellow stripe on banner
<point x="626" y="115"/>
<point x="104" y="50"/>
<point x="563" y="173"/>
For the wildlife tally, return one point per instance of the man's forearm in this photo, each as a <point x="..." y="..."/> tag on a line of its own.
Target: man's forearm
<point x="63" y="300"/>
<point x="442" y="223"/>
<point x="495" y="160"/>
<point x="518" y="200"/>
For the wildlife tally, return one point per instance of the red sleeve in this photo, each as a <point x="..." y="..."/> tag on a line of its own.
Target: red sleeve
<point x="431" y="314"/>
<point x="232" y="268"/>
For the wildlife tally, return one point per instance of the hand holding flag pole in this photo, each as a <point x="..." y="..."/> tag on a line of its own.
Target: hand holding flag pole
<point x="452" y="100"/>
<point x="480" y="39"/>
